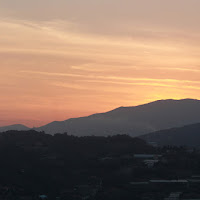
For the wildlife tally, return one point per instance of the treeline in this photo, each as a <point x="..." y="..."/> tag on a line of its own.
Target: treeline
<point x="35" y="162"/>
<point x="68" y="144"/>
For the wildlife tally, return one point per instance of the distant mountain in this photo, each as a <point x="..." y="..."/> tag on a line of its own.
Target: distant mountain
<point x="134" y="121"/>
<point x="17" y="127"/>
<point x="187" y="135"/>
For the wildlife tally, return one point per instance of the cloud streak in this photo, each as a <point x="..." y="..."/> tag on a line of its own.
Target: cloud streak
<point x="110" y="77"/>
<point x="65" y="58"/>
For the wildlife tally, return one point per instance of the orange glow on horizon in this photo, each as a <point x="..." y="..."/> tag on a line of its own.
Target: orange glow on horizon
<point x="70" y="66"/>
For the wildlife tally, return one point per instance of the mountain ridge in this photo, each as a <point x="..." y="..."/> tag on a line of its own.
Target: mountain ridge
<point x="18" y="127"/>
<point x="132" y="120"/>
<point x="188" y="135"/>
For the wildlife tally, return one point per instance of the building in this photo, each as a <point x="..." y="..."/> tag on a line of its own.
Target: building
<point x="150" y="163"/>
<point x="170" y="184"/>
<point x="147" y="156"/>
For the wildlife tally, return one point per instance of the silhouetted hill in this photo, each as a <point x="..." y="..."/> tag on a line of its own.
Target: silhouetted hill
<point x="133" y="121"/>
<point x="36" y="163"/>
<point x="187" y="135"/>
<point x="69" y="167"/>
<point x="17" y="127"/>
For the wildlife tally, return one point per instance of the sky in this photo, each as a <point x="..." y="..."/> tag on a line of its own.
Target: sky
<point x="61" y="59"/>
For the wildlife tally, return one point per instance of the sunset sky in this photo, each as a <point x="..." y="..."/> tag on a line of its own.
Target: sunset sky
<point x="69" y="58"/>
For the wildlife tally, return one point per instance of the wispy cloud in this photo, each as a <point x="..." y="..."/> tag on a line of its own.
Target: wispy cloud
<point x="90" y="68"/>
<point x="148" y="84"/>
<point x="184" y="69"/>
<point x="111" y="77"/>
<point x="101" y="63"/>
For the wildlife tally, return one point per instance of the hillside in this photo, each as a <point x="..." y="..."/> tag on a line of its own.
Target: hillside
<point x="187" y="135"/>
<point x="35" y="163"/>
<point x="133" y="121"/>
<point x="17" y="127"/>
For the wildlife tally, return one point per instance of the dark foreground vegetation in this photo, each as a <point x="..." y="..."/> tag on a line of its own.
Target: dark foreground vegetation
<point x="35" y="165"/>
